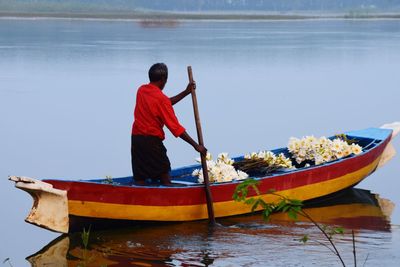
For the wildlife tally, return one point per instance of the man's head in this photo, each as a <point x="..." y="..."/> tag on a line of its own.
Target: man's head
<point x="158" y="74"/>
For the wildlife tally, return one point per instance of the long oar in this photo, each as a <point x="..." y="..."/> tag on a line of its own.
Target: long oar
<point x="210" y="208"/>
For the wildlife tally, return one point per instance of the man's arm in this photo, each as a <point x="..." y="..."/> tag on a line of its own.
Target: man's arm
<point x="183" y="94"/>
<point x="199" y="148"/>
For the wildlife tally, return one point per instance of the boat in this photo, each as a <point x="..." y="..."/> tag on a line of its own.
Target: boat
<point x="62" y="205"/>
<point x="356" y="209"/>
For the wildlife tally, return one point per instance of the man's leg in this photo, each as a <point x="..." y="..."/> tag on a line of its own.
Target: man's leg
<point x="139" y="181"/>
<point x="165" y="179"/>
<point x="132" y="161"/>
<point x="136" y="179"/>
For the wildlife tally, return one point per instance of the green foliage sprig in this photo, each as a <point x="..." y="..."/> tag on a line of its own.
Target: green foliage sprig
<point x="85" y="235"/>
<point x="109" y="179"/>
<point x="292" y="207"/>
<point x="346" y="139"/>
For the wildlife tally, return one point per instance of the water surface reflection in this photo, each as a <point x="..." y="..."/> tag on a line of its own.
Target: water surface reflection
<point x="241" y="240"/>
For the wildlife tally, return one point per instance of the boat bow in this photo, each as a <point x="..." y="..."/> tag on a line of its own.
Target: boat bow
<point x="389" y="151"/>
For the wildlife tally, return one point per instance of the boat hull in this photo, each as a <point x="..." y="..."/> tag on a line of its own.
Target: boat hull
<point x="188" y="203"/>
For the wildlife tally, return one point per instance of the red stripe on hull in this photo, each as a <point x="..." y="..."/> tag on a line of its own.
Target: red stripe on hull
<point x="194" y="195"/>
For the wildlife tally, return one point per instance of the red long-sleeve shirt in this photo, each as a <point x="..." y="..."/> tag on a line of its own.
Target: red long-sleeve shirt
<point x="153" y="110"/>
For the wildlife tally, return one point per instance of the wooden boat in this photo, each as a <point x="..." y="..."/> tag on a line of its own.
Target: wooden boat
<point x="355" y="209"/>
<point x="58" y="204"/>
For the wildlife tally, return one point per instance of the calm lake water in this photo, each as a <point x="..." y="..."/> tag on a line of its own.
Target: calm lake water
<point x="67" y="90"/>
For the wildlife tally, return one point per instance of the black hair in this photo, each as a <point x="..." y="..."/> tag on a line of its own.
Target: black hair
<point x="158" y="72"/>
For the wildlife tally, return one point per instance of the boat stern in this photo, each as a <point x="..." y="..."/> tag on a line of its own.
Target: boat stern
<point x="50" y="205"/>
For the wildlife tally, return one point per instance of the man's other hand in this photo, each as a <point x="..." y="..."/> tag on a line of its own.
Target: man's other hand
<point x="191" y="86"/>
<point x="202" y="150"/>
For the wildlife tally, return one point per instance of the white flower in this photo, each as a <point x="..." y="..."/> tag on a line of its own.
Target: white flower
<point x="326" y="157"/>
<point x="302" y="152"/>
<point x="356" y="149"/>
<point x="339" y="154"/>
<point x="223" y="157"/>
<point x="242" y="175"/>
<point x="292" y="147"/>
<point x="293" y="144"/>
<point x="220" y="170"/>
<point x="196" y="172"/>
<point x="323" y="140"/>
<point x="320" y="150"/>
<point x="269" y="154"/>
<point x="311" y="139"/>
<point x="261" y="154"/>
<point x="319" y="159"/>
<point x="303" y="142"/>
<point x="347" y="151"/>
<point x="299" y="160"/>
<point x="200" y="179"/>
<point x="337" y="145"/>
<point x="289" y="163"/>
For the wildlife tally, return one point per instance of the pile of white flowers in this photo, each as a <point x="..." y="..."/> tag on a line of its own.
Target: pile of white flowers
<point x="320" y="150"/>
<point x="309" y="148"/>
<point x="272" y="161"/>
<point x="220" y="170"/>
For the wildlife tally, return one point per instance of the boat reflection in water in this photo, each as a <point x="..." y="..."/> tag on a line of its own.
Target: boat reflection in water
<point x="194" y="243"/>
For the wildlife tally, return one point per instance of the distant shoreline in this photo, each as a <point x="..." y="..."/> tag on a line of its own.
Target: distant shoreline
<point x="194" y="16"/>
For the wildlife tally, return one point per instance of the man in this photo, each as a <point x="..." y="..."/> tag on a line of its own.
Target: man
<point x="153" y="110"/>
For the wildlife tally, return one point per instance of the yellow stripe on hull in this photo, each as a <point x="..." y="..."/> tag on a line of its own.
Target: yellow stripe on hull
<point x="221" y="209"/>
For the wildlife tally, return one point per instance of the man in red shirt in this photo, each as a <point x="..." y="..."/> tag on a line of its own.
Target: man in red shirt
<point x="153" y="110"/>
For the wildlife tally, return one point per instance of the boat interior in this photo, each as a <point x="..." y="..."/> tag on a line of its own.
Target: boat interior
<point x="182" y="177"/>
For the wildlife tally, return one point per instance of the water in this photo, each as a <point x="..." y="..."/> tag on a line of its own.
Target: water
<point x="237" y="241"/>
<point x="67" y="89"/>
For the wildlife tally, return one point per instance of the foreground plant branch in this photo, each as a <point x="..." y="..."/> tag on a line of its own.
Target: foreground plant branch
<point x="293" y="208"/>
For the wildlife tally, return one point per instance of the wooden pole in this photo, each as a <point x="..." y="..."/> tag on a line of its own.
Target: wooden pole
<point x="210" y="208"/>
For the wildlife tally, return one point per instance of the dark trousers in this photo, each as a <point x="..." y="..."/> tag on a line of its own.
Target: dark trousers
<point x="149" y="159"/>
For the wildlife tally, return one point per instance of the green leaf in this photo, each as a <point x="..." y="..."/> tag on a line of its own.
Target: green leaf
<point x="255" y="205"/>
<point x="241" y="191"/>
<point x="304" y="239"/>
<point x="250" y="201"/>
<point x="296" y="202"/>
<point x="85" y="237"/>
<point x="286" y="208"/>
<point x="270" y="208"/>
<point x="266" y="215"/>
<point x="292" y="215"/>
<point x="296" y="208"/>
<point x="263" y="203"/>
<point x="339" y="230"/>
<point x="255" y="188"/>
<point x="281" y="205"/>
